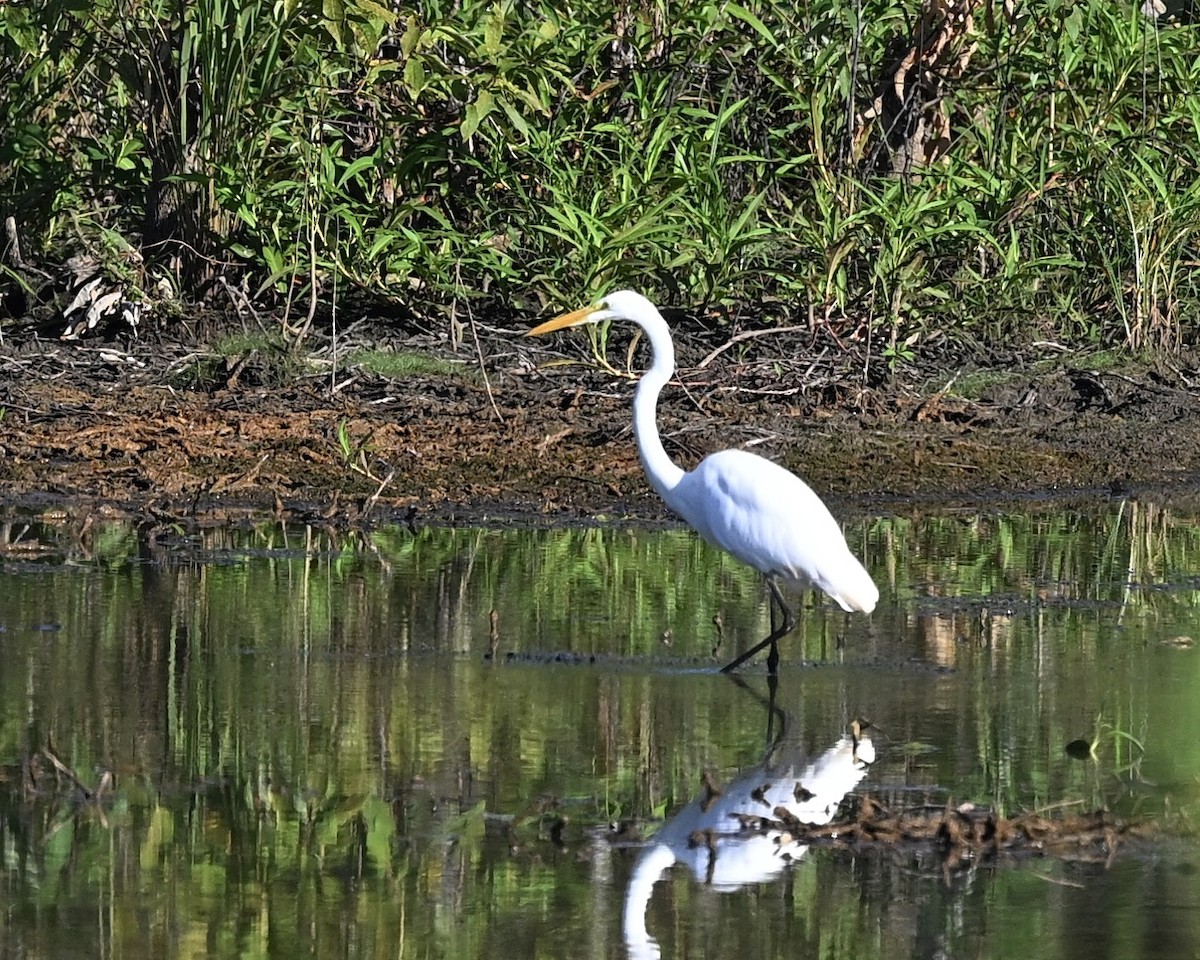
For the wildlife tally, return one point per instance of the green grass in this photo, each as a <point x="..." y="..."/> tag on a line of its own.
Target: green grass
<point x="1100" y="360"/>
<point x="973" y="385"/>
<point x="238" y="343"/>
<point x="264" y="358"/>
<point x="484" y="154"/>
<point x="406" y="363"/>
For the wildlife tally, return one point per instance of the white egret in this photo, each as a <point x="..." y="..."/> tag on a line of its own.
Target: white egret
<point x="756" y="510"/>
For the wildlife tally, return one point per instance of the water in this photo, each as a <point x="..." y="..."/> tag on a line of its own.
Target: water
<point x="478" y="743"/>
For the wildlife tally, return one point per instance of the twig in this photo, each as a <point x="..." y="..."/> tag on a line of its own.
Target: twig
<point x="746" y="335"/>
<point x="688" y="393"/>
<point x="487" y="383"/>
<point x="224" y="483"/>
<point x="928" y="407"/>
<point x="14" y="242"/>
<point x="66" y="772"/>
<point x="1058" y="880"/>
<point x="373" y="498"/>
<point x="769" y="438"/>
<point x="955" y="466"/>
<point x="241" y="302"/>
<point x="762" y="391"/>
<point x="551" y="438"/>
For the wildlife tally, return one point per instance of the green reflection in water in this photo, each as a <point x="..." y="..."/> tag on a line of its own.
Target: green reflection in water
<point x="314" y="755"/>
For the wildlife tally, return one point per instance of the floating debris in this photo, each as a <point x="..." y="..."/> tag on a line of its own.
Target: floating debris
<point x="961" y="832"/>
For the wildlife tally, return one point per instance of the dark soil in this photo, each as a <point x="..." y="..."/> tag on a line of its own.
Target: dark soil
<point x="172" y="432"/>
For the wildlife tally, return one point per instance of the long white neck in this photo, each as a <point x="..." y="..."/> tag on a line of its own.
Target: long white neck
<point x="650" y="865"/>
<point x="662" y="471"/>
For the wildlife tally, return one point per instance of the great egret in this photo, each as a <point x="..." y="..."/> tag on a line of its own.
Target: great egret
<point x="753" y="508"/>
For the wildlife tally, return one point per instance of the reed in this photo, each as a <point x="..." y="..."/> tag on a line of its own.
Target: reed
<point x="513" y="156"/>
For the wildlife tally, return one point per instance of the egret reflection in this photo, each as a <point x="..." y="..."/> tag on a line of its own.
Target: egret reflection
<point x="734" y="835"/>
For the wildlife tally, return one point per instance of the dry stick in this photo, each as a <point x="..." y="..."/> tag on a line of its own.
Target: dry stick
<point x="688" y="393"/>
<point x="241" y="301"/>
<point x="333" y="318"/>
<point x="1159" y="388"/>
<point x="371" y="500"/>
<point x="67" y="772"/>
<point x="1057" y="880"/>
<point x="482" y="369"/>
<point x="224" y="483"/>
<point x="288" y="329"/>
<point x="312" y="284"/>
<point x="14" y="242"/>
<point x="937" y="398"/>
<point x="746" y="335"/>
<point x="551" y="438"/>
<point x="766" y="391"/>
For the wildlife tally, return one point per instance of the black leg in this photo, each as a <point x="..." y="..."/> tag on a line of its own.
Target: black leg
<point x="777" y="718"/>
<point x="773" y="711"/>
<point x="777" y="632"/>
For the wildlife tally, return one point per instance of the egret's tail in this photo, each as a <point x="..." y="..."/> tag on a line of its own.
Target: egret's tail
<point x="853" y="588"/>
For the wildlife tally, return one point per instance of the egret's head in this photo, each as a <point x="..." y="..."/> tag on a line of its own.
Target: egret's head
<point x="623" y="304"/>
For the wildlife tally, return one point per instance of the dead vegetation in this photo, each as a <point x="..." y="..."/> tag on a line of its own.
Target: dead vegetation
<point x="959" y="833"/>
<point x="172" y="434"/>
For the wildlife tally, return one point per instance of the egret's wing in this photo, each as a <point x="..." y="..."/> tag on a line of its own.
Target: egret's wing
<point x="771" y="519"/>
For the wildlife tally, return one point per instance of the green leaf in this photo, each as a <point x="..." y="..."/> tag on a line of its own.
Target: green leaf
<point x="414" y="76"/>
<point x="737" y="10"/>
<point x="486" y="103"/>
<point x="514" y="117"/>
<point x="470" y="121"/>
<point x="273" y="259"/>
<point x="376" y="11"/>
<point x="410" y="38"/>
<point x="355" y="168"/>
<point x="493" y="33"/>
<point x="383" y="239"/>
<point x="476" y="112"/>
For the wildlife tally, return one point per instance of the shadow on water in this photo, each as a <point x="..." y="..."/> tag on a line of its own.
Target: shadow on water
<point x="466" y="743"/>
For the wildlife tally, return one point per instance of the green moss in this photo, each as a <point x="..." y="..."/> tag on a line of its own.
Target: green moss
<point x="242" y="342"/>
<point x="1105" y="360"/>
<point x="973" y="385"/>
<point x="406" y="363"/>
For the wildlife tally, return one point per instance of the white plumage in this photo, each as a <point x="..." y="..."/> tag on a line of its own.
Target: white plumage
<point x="770" y="519"/>
<point x="756" y="510"/>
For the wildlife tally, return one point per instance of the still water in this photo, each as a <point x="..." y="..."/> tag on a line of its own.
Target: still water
<point x="492" y="743"/>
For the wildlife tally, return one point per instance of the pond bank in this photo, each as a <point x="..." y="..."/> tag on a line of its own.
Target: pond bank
<point x="163" y="431"/>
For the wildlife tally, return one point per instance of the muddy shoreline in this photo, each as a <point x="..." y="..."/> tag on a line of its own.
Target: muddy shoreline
<point x="542" y="435"/>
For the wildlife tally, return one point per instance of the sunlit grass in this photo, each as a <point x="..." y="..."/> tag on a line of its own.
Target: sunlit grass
<point x="973" y="385"/>
<point x="1099" y="360"/>
<point x="500" y="155"/>
<point x="406" y="363"/>
<point x="238" y="343"/>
